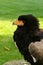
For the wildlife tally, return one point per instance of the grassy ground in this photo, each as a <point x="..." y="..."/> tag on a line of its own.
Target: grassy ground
<point x="9" y="10"/>
<point x="8" y="50"/>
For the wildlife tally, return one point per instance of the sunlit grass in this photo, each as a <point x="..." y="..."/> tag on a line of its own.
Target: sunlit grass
<point x="7" y="27"/>
<point x="6" y="41"/>
<point x="41" y="22"/>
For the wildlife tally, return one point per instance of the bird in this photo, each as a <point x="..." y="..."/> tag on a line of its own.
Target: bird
<point x="27" y="32"/>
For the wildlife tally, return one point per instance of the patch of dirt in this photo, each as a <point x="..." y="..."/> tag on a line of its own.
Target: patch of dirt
<point x="17" y="62"/>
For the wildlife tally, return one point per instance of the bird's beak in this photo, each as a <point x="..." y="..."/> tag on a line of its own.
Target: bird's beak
<point x="18" y="22"/>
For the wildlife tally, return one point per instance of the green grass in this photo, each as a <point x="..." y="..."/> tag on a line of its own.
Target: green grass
<point x="9" y="11"/>
<point x="6" y="41"/>
<point x="41" y="23"/>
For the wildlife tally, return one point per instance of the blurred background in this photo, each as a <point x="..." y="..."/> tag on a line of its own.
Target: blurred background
<point x="9" y="11"/>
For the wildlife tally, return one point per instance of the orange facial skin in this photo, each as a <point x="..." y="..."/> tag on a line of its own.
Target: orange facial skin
<point x="18" y="22"/>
